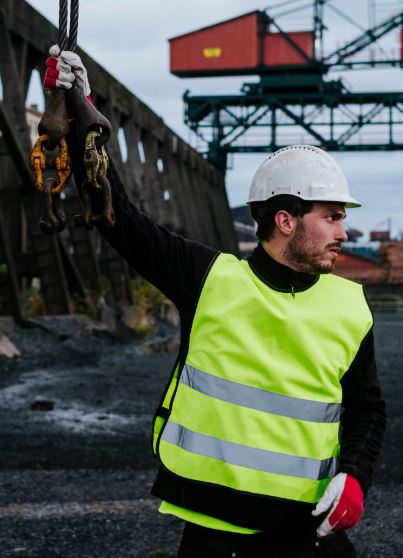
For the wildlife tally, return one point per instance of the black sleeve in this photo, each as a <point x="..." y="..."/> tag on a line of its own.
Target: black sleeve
<point x="175" y="265"/>
<point x="363" y="418"/>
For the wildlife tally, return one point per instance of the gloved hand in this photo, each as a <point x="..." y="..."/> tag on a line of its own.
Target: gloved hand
<point x="63" y="69"/>
<point x="345" y="498"/>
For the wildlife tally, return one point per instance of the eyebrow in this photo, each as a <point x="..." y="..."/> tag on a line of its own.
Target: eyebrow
<point x="341" y="214"/>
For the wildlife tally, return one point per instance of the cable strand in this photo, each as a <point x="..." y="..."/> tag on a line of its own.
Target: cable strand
<point x="74" y="10"/>
<point x="62" y="38"/>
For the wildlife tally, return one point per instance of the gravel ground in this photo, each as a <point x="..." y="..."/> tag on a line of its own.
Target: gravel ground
<point x="84" y="513"/>
<point x="75" y="479"/>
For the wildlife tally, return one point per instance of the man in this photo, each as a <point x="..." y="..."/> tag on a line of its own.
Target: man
<point x="268" y="430"/>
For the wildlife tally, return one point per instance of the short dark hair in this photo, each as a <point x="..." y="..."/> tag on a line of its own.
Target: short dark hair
<point x="264" y="212"/>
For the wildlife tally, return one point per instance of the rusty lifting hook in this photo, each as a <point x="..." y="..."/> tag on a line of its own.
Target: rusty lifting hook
<point x="53" y="127"/>
<point x="96" y="165"/>
<point x="53" y="219"/>
<point x="54" y="122"/>
<point x="90" y="125"/>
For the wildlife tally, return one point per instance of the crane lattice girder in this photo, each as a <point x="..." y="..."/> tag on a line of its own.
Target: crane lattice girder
<point x="338" y="57"/>
<point x="291" y="94"/>
<point x="330" y="120"/>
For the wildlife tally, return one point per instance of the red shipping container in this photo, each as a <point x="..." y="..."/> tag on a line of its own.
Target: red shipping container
<point x="383" y="236"/>
<point x="239" y="46"/>
<point x="278" y="51"/>
<point x="232" y="45"/>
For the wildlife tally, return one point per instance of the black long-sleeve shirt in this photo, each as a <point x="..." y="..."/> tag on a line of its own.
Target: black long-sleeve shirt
<point x="177" y="266"/>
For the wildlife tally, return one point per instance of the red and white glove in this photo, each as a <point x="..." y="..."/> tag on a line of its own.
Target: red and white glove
<point x="345" y="498"/>
<point x="63" y="69"/>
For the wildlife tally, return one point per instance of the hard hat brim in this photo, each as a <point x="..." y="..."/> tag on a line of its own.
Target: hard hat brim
<point x="348" y="201"/>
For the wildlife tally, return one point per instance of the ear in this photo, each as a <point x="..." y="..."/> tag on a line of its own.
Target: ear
<point x="285" y="222"/>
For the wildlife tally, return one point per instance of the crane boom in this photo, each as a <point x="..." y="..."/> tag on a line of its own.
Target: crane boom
<point x="338" y="57"/>
<point x="293" y="101"/>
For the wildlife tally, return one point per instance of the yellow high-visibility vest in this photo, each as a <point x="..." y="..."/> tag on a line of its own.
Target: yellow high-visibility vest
<point x="255" y="405"/>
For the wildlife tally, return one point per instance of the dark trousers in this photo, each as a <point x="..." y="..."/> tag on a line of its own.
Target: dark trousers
<point x="199" y="542"/>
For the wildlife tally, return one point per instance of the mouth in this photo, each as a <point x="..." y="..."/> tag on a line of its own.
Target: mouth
<point x="335" y="250"/>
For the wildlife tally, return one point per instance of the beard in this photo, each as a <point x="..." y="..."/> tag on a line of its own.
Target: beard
<point x="304" y="254"/>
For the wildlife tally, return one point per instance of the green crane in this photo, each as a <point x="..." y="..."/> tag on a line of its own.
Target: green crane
<point x="292" y="94"/>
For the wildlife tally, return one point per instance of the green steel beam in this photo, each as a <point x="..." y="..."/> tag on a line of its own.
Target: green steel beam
<point x="228" y="123"/>
<point x="194" y="102"/>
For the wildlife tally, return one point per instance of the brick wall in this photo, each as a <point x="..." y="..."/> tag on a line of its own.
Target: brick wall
<point x="392" y="261"/>
<point x="388" y="270"/>
<point x="359" y="269"/>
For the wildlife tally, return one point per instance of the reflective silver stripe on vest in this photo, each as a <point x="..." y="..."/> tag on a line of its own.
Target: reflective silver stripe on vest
<point x="245" y="456"/>
<point x="259" y="399"/>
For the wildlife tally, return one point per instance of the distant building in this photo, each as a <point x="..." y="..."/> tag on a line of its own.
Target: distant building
<point x="373" y="262"/>
<point x="247" y="239"/>
<point x="391" y="254"/>
<point x="33" y="117"/>
<point x="241" y="213"/>
<point x="245" y="229"/>
<point x="381" y="236"/>
<point x="353" y="234"/>
<point x="359" y="267"/>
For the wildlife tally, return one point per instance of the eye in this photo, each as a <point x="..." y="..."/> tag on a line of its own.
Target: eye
<point x="335" y="217"/>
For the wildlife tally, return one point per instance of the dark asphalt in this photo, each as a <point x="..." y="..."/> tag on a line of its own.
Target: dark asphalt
<point x="75" y="481"/>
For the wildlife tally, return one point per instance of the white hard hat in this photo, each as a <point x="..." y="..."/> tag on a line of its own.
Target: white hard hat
<point x="304" y="171"/>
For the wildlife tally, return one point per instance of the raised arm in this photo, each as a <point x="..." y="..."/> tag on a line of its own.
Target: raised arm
<point x="172" y="263"/>
<point x="175" y="265"/>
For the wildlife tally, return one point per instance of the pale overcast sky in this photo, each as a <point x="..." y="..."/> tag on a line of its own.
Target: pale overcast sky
<point x="129" y="38"/>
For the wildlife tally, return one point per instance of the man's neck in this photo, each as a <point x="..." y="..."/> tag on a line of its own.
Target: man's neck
<point x="278" y="275"/>
<point x="276" y="252"/>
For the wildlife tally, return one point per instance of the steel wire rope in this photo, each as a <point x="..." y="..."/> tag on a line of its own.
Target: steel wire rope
<point x="347" y="18"/>
<point x="353" y="22"/>
<point x="74" y="9"/>
<point x="69" y="43"/>
<point x="63" y="12"/>
<point x="293" y="11"/>
<point x="287" y="3"/>
<point x="281" y="4"/>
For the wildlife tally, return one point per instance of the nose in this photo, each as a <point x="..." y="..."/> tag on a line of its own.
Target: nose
<point x="341" y="233"/>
